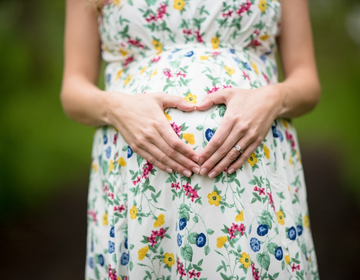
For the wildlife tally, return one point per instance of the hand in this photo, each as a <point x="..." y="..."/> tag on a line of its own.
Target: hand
<point x="141" y="121"/>
<point x="246" y="122"/>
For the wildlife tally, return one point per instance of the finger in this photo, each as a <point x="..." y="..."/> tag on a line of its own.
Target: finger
<point x="218" y="97"/>
<point x="217" y="140"/>
<point x="173" y="158"/>
<point x="151" y="159"/>
<point x="243" y="157"/>
<point x="168" y="134"/>
<point x="230" y="157"/>
<point x="170" y="101"/>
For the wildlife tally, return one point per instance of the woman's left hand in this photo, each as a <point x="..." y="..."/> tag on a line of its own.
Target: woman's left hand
<point x="247" y="120"/>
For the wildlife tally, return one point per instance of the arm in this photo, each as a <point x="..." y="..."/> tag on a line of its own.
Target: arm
<point x="249" y="115"/>
<point x="151" y="137"/>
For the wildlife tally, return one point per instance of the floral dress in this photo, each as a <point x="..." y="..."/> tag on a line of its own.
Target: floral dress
<point x="144" y="223"/>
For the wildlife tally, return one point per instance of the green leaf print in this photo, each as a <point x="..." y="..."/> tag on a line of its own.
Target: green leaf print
<point x="184" y="211"/>
<point x="104" y="166"/>
<point x="192" y="237"/>
<point x="263" y="259"/>
<point x="207" y="250"/>
<point x="187" y="252"/>
<point x="209" y="231"/>
<point x="272" y="247"/>
<point x="200" y="127"/>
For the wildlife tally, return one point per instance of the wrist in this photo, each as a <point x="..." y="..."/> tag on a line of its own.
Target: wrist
<point x="277" y="93"/>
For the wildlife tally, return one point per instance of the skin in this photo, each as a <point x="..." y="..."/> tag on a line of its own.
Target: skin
<point x="248" y="117"/>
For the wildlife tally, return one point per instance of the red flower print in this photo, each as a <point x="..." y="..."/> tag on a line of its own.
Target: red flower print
<point x="155" y="59"/>
<point x="187" y="32"/>
<point x="228" y="14"/>
<point x="167" y="73"/>
<point x="176" y="186"/>
<point x="198" y="36"/>
<point x="176" y="128"/>
<point x="135" y="43"/>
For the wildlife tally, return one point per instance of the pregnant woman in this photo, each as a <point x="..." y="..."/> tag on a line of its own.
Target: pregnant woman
<point x="196" y="169"/>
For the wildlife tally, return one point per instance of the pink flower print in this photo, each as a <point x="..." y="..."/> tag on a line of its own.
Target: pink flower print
<point x="241" y="229"/>
<point x="255" y="272"/>
<point x="244" y="8"/>
<point x="128" y="60"/>
<point x="198" y="36"/>
<point x="290" y="138"/>
<point x="228" y="14"/>
<point x="155" y="59"/>
<point x="180" y="74"/>
<point x="92" y="214"/>
<point x="151" y="18"/>
<point x="112" y="273"/>
<point x="214" y="88"/>
<point x="135" y="43"/>
<point x="227" y="86"/>
<point x="295" y="267"/>
<point x="254" y="43"/>
<point x="147" y="169"/>
<point x="194" y="274"/>
<point x="266" y="78"/>
<point x="176" y="186"/>
<point x="162" y="232"/>
<point x="105" y="188"/>
<point x="231" y="231"/>
<point x="245" y="75"/>
<point x="260" y="190"/>
<point x="256" y="32"/>
<point x="180" y="268"/>
<point x="161" y="11"/>
<point x="193" y="195"/>
<point x="271" y="201"/>
<point x="137" y="181"/>
<point x="167" y="73"/>
<point x="111" y="195"/>
<point x="215" y="54"/>
<point x="119" y="208"/>
<point x="152" y="240"/>
<point x="115" y="138"/>
<point x="187" y="32"/>
<point x="187" y="188"/>
<point x="176" y="128"/>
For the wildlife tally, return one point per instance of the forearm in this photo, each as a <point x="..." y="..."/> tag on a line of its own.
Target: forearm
<point x="84" y="102"/>
<point x="297" y="94"/>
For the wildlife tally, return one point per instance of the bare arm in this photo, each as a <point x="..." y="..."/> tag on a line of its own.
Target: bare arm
<point x="249" y="115"/>
<point x="151" y="137"/>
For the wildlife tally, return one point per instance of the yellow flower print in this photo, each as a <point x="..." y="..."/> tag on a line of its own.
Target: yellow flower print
<point x="111" y="167"/>
<point x="116" y="2"/>
<point x="255" y="67"/>
<point x="290" y="160"/>
<point x="105" y="48"/>
<point x="157" y="45"/>
<point x="229" y="70"/>
<point x="169" y="259"/>
<point x="118" y="74"/>
<point x="118" y="278"/>
<point x="214" y="198"/>
<point x="153" y="73"/>
<point x="220" y="241"/>
<point x="262" y="5"/>
<point x="105" y="219"/>
<point x="142" y="252"/>
<point x="285" y="123"/>
<point x="124" y="53"/>
<point x="191" y="98"/>
<point x="215" y="42"/>
<point x="168" y="117"/>
<point x="306" y="221"/>
<point x="95" y="167"/>
<point x="133" y="212"/>
<point x="189" y="137"/>
<point x="280" y="217"/>
<point x="121" y="161"/>
<point x="264" y="37"/>
<point x="240" y="217"/>
<point x="159" y="221"/>
<point x="245" y="260"/>
<point x="128" y="79"/>
<point x="142" y="70"/>
<point x="266" y="152"/>
<point x="204" y="57"/>
<point x="298" y="156"/>
<point x="287" y="259"/>
<point x="252" y="160"/>
<point x="179" y="4"/>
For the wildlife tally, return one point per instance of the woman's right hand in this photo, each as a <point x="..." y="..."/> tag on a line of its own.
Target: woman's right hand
<point x="142" y="123"/>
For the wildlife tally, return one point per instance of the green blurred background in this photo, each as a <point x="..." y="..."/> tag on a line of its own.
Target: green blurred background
<point x="44" y="155"/>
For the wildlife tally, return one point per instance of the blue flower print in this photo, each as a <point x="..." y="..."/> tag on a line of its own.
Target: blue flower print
<point x="236" y="60"/>
<point x="129" y="152"/>
<point x="263" y="58"/>
<point x="112" y="232"/>
<point x="292" y="233"/>
<point x="277" y="133"/>
<point x="124" y="259"/>
<point x="189" y="54"/>
<point x="101" y="260"/>
<point x="279" y="253"/>
<point x="92" y="246"/>
<point x="179" y="240"/>
<point x="176" y="50"/>
<point x="105" y="139"/>
<point x="182" y="223"/>
<point x="169" y="56"/>
<point x="91" y="262"/>
<point x="247" y="66"/>
<point x="126" y="243"/>
<point x="108" y="78"/>
<point x="299" y="230"/>
<point x="111" y="247"/>
<point x="255" y="244"/>
<point x="262" y="230"/>
<point x="201" y="240"/>
<point x="100" y="158"/>
<point x="232" y="51"/>
<point x="108" y="152"/>
<point x="209" y="133"/>
<point x="250" y="227"/>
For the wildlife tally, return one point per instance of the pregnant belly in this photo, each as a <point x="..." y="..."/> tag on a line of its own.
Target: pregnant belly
<point x="191" y="74"/>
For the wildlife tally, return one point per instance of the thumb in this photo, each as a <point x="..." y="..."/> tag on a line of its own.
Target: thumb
<point x="170" y="101"/>
<point x="218" y="97"/>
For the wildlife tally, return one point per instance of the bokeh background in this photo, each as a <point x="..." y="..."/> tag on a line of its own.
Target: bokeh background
<point x="45" y="157"/>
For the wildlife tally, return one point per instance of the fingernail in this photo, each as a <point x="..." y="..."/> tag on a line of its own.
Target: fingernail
<point x="168" y="170"/>
<point x="201" y="160"/>
<point x="212" y="174"/>
<point x="231" y="170"/>
<point x="195" y="158"/>
<point x="187" y="173"/>
<point x="203" y="171"/>
<point x="195" y="170"/>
